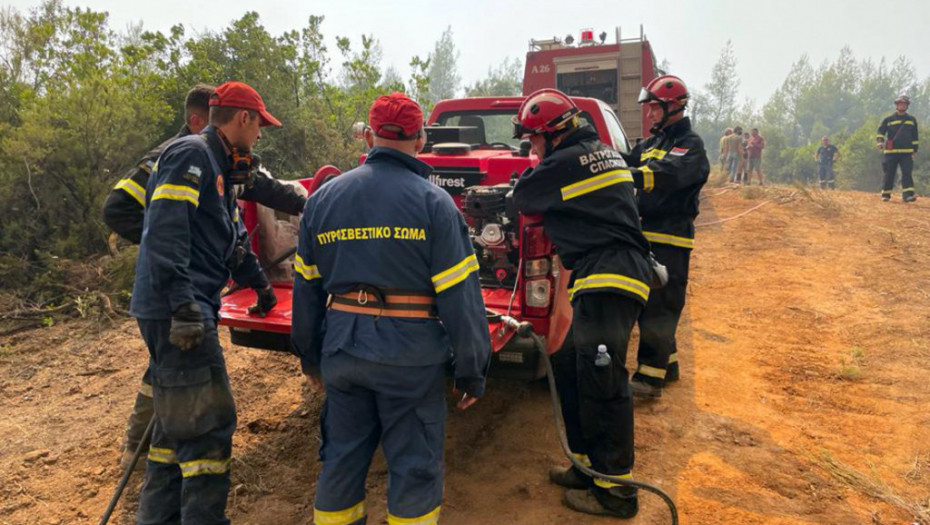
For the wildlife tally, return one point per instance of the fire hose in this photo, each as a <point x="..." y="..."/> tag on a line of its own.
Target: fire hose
<point x="525" y="329"/>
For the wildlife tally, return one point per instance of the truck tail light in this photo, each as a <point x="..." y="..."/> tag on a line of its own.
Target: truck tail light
<point x="536" y="243"/>
<point x="538" y="293"/>
<point x="538" y="267"/>
<point x="537" y="272"/>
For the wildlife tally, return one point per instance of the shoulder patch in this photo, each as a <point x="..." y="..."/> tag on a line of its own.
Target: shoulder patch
<point x="678" y="152"/>
<point x="220" y="185"/>
<point x="194" y="170"/>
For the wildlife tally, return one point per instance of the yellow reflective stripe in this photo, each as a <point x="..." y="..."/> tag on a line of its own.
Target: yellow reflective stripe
<point x="308" y="272"/>
<point x="430" y="518"/>
<point x="649" y="179"/>
<point x="654" y="154"/>
<point x="177" y="193"/>
<point x="651" y="371"/>
<point x="673" y="358"/>
<point x="162" y="455"/>
<point x="911" y="122"/>
<point x="664" y="238"/>
<point x="147" y="166"/>
<point x="133" y="189"/>
<point x="595" y="183"/>
<point x="612" y="280"/>
<point x="583" y="459"/>
<point x="145" y="389"/>
<point x="879" y="136"/>
<point x="894" y="122"/>
<point x="199" y="467"/>
<point x="909" y="150"/>
<point x="456" y="274"/>
<point x="340" y="517"/>
<point x="906" y="189"/>
<point x="608" y="485"/>
<point x="886" y="192"/>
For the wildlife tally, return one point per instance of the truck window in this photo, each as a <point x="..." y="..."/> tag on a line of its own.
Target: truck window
<point x="493" y="125"/>
<point x="617" y="136"/>
<point x="600" y="84"/>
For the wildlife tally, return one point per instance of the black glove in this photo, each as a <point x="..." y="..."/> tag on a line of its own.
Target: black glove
<point x="266" y="301"/>
<point x="186" y="327"/>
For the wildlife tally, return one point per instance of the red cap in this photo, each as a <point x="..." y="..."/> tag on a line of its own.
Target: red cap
<point x="239" y="95"/>
<point x="395" y="116"/>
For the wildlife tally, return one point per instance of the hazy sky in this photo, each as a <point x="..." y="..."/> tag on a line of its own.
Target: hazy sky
<point x="768" y="35"/>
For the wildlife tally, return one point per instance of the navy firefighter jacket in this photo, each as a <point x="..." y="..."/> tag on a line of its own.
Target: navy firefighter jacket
<point x="191" y="231"/>
<point x="670" y="168"/>
<point x="584" y="192"/>
<point x="385" y="225"/>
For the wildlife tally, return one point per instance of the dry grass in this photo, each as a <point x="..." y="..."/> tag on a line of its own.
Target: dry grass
<point x="826" y="202"/>
<point x="873" y="486"/>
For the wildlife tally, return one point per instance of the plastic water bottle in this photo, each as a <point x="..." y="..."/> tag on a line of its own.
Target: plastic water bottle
<point x="603" y="358"/>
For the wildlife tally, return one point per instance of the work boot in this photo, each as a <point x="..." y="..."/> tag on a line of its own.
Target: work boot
<point x="910" y="198"/>
<point x="644" y="390"/>
<point x="570" y="478"/>
<point x="672" y="373"/>
<point x="886" y="198"/>
<point x="619" y="502"/>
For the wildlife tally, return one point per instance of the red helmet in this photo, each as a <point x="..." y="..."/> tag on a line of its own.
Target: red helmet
<point x="545" y="111"/>
<point x="664" y="90"/>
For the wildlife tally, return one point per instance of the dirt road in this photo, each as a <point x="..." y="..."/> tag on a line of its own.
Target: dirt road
<point x="805" y="350"/>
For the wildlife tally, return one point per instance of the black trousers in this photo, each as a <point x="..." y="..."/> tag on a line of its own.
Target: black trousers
<point x="187" y="475"/>
<point x="890" y="164"/>
<point x="658" y="351"/>
<point x="596" y="402"/>
<point x="827" y="179"/>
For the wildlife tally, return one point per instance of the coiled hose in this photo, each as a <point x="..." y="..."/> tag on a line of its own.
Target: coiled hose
<point x="525" y="329"/>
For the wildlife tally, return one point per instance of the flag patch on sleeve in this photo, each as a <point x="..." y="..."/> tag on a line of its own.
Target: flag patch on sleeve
<point x="678" y="152"/>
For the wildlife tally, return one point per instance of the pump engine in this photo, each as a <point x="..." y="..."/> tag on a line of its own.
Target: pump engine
<point x="492" y="226"/>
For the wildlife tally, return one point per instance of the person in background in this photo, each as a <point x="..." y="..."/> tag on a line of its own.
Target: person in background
<point x="754" y="146"/>
<point x="734" y="153"/>
<point x="826" y="155"/>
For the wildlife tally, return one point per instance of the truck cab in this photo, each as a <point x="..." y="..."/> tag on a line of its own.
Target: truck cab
<point x="476" y="160"/>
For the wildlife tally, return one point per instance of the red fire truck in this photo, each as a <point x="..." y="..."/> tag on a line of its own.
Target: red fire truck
<point x="613" y="72"/>
<point x="476" y="161"/>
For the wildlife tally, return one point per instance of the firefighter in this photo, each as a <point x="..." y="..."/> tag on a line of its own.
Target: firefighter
<point x="393" y="253"/>
<point x="826" y="155"/>
<point x="584" y="192"/>
<point x="670" y="167"/>
<point x="124" y="212"/>
<point x="188" y="251"/>
<point x="897" y="137"/>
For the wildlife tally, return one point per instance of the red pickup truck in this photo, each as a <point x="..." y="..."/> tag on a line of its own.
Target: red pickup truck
<point x="476" y="160"/>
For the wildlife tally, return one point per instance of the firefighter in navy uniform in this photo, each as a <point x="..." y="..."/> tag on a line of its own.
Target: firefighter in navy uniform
<point x="584" y="192"/>
<point x="190" y="247"/>
<point x="897" y="137"/>
<point x="393" y="252"/>
<point x="124" y="208"/>
<point x="124" y="212"/>
<point x="669" y="169"/>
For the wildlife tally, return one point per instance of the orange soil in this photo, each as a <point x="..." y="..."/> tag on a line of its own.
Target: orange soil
<point x="804" y="346"/>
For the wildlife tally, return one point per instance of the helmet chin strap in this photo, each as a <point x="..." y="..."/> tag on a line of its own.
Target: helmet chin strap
<point x="665" y="115"/>
<point x="551" y="136"/>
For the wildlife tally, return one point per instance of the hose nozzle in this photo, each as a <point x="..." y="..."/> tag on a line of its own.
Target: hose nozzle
<point x="523" y="329"/>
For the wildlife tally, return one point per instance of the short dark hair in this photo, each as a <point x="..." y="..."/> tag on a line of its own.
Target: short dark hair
<point x="755" y="129"/>
<point x="738" y="130"/>
<point x="220" y="115"/>
<point x="197" y="101"/>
